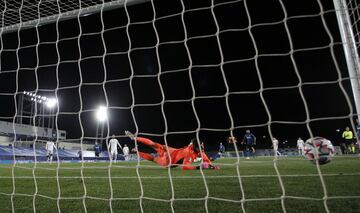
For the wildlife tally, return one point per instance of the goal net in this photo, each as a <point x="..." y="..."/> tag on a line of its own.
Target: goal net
<point x="79" y="73"/>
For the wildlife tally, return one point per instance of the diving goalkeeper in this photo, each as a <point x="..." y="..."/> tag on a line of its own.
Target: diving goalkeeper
<point x="168" y="156"/>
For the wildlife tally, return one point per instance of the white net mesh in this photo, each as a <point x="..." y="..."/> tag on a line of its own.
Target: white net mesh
<point x="354" y="17"/>
<point x="171" y="71"/>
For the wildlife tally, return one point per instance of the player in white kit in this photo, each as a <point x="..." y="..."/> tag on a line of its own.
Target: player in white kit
<point x="50" y="146"/>
<point x="275" y="143"/>
<point x="300" y="145"/>
<point x="113" y="148"/>
<point x="126" y="152"/>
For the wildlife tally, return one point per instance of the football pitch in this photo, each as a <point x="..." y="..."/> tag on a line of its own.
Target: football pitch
<point x="251" y="185"/>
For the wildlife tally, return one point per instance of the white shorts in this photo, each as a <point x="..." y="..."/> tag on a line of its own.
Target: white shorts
<point x="113" y="152"/>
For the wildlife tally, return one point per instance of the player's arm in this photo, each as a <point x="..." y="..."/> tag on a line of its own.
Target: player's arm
<point x="244" y="139"/>
<point x="187" y="165"/>
<point x="206" y="163"/>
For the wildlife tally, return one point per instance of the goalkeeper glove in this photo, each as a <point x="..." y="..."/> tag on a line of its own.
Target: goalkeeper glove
<point x="207" y="166"/>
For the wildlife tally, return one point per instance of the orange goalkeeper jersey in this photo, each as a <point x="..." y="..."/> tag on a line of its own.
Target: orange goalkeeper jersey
<point x="184" y="156"/>
<point x="187" y="156"/>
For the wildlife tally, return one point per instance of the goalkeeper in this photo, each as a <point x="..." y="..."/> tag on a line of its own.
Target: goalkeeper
<point x="168" y="156"/>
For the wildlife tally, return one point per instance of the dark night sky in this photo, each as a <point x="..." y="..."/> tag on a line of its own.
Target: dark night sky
<point x="95" y="68"/>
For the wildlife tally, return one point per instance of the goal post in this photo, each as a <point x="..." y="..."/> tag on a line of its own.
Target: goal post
<point x="258" y="77"/>
<point x="49" y="11"/>
<point x="347" y="26"/>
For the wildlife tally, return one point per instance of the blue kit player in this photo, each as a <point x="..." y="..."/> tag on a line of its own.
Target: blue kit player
<point x="249" y="141"/>
<point x="97" y="149"/>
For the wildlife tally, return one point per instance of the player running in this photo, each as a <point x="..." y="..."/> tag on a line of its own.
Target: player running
<point x="168" y="156"/>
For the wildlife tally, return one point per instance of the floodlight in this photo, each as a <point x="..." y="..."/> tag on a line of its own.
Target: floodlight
<point x="51" y="102"/>
<point x="101" y="114"/>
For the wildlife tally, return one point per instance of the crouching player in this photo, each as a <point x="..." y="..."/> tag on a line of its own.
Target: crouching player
<point x="168" y="156"/>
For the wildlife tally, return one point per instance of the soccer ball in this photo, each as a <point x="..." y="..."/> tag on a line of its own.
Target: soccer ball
<point x="319" y="150"/>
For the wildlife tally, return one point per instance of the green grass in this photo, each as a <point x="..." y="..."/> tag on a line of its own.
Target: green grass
<point x="73" y="187"/>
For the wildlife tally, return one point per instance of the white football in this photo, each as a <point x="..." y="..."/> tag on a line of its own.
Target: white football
<point x="319" y="149"/>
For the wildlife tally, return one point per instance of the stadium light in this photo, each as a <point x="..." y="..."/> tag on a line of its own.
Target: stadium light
<point x="50" y="102"/>
<point x="101" y="114"/>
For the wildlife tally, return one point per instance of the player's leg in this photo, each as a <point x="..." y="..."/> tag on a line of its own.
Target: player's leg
<point x="343" y="147"/>
<point x="348" y="145"/>
<point x="48" y="155"/>
<point x="253" y="151"/>
<point x="157" y="147"/>
<point x="150" y="143"/>
<point x="112" y="155"/>
<point x="142" y="140"/>
<point x="115" y="156"/>
<point x="352" y="148"/>
<point x="162" y="161"/>
<point x="247" y="152"/>
<point x="146" y="156"/>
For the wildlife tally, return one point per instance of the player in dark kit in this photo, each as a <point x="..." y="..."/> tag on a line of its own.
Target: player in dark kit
<point x="97" y="149"/>
<point x="168" y="156"/>
<point x="249" y="141"/>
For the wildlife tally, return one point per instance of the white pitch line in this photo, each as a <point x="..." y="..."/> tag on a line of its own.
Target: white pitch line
<point x="182" y="177"/>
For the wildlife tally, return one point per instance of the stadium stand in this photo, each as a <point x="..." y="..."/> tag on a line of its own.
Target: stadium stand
<point x="8" y="153"/>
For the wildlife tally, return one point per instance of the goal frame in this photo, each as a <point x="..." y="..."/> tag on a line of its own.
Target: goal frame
<point x="67" y="15"/>
<point x="350" y="49"/>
